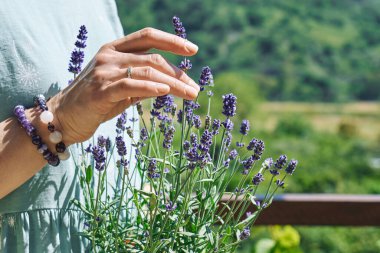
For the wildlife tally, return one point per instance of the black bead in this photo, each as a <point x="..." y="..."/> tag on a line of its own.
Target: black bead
<point x="33" y="132"/>
<point x="60" y="147"/>
<point x="51" y="127"/>
<point x="36" y="140"/>
<point x="54" y="160"/>
<point x="47" y="154"/>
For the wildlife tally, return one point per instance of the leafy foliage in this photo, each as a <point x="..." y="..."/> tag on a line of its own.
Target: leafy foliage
<point x="323" y="50"/>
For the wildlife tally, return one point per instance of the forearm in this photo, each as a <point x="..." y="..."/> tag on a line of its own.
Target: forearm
<point x="19" y="157"/>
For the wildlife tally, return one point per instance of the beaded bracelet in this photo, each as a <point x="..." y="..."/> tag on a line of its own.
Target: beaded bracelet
<point x="51" y="158"/>
<point x="55" y="136"/>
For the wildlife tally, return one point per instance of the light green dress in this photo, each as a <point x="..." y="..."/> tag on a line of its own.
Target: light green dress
<point x="36" y="38"/>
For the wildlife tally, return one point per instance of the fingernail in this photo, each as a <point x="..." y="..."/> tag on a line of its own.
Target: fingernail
<point x="191" y="92"/>
<point x="191" y="46"/>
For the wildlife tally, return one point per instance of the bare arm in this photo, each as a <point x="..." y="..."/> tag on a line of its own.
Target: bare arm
<point x="19" y="158"/>
<point x="99" y="93"/>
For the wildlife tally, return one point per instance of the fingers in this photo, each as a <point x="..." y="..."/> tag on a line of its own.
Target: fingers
<point x="128" y="87"/>
<point x="177" y="87"/>
<point x="148" y="38"/>
<point x="156" y="61"/>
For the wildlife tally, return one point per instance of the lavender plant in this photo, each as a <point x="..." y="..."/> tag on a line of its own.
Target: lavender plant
<point x="186" y="162"/>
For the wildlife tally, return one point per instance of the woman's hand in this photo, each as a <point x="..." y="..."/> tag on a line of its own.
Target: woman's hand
<point x="103" y="89"/>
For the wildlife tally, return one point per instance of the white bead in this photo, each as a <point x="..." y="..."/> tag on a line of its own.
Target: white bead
<point x="64" y="156"/>
<point x="46" y="117"/>
<point x="55" y="137"/>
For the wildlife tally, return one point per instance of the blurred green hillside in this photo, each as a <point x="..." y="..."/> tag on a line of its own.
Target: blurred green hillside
<point x="320" y="50"/>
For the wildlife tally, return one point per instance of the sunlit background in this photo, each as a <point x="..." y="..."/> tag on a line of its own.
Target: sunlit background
<point x="307" y="76"/>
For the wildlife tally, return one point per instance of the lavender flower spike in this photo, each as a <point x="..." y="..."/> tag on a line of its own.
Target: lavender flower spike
<point x="206" y="78"/>
<point x="185" y="65"/>
<point x="169" y="134"/>
<point x="178" y="27"/>
<point x="77" y="56"/>
<point x="245" y="234"/>
<point x="257" y="179"/>
<point x="229" y="105"/>
<point x="244" y="128"/>
<point x="291" y="167"/>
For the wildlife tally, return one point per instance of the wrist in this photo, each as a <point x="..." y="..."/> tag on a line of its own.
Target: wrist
<point x="54" y="107"/>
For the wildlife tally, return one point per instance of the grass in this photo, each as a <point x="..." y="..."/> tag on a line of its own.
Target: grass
<point x="364" y="117"/>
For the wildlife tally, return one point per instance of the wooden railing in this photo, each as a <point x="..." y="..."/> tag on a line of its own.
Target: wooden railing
<point x="321" y="209"/>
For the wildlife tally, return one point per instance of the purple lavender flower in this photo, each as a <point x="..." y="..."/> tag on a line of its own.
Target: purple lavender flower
<point x="267" y="163"/>
<point x="239" y="190"/>
<point x="108" y="144"/>
<point x="186" y="145"/>
<point x="226" y="163"/>
<point x="206" y="78"/>
<point x="166" y="102"/>
<point x="233" y="154"/>
<point x="82" y="37"/>
<point x="197" y="121"/>
<point x="215" y="126"/>
<point x="77" y="56"/>
<point x="120" y="122"/>
<point x="174" y="109"/>
<point x="274" y="172"/>
<point x="244" y="128"/>
<point x="259" y="149"/>
<point x="185" y="65"/>
<point x="205" y="142"/>
<point x="89" y="148"/>
<point x="190" y="106"/>
<point x="227" y="140"/>
<point x="180" y="116"/>
<point x="101" y="141"/>
<point x="99" y="157"/>
<point x="192" y="155"/>
<point x="152" y="169"/>
<point x="228" y="124"/>
<point x="155" y="113"/>
<point x="139" y="109"/>
<point x="257" y="179"/>
<point x="194" y="140"/>
<point x="143" y="134"/>
<point x="162" y="127"/>
<point x="210" y="93"/>
<point x="229" y="105"/>
<point x="168" y="139"/>
<point x="248" y="163"/>
<point x="130" y="132"/>
<point x="207" y="122"/>
<point x="120" y="145"/>
<point x="281" y="161"/>
<point x="86" y="225"/>
<point x="178" y="27"/>
<point x="291" y="167"/>
<point x="239" y="144"/>
<point x="280" y="183"/>
<point x="170" y="207"/>
<point x="122" y="163"/>
<point x="252" y="144"/>
<point x="245" y="234"/>
<point x="133" y="119"/>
